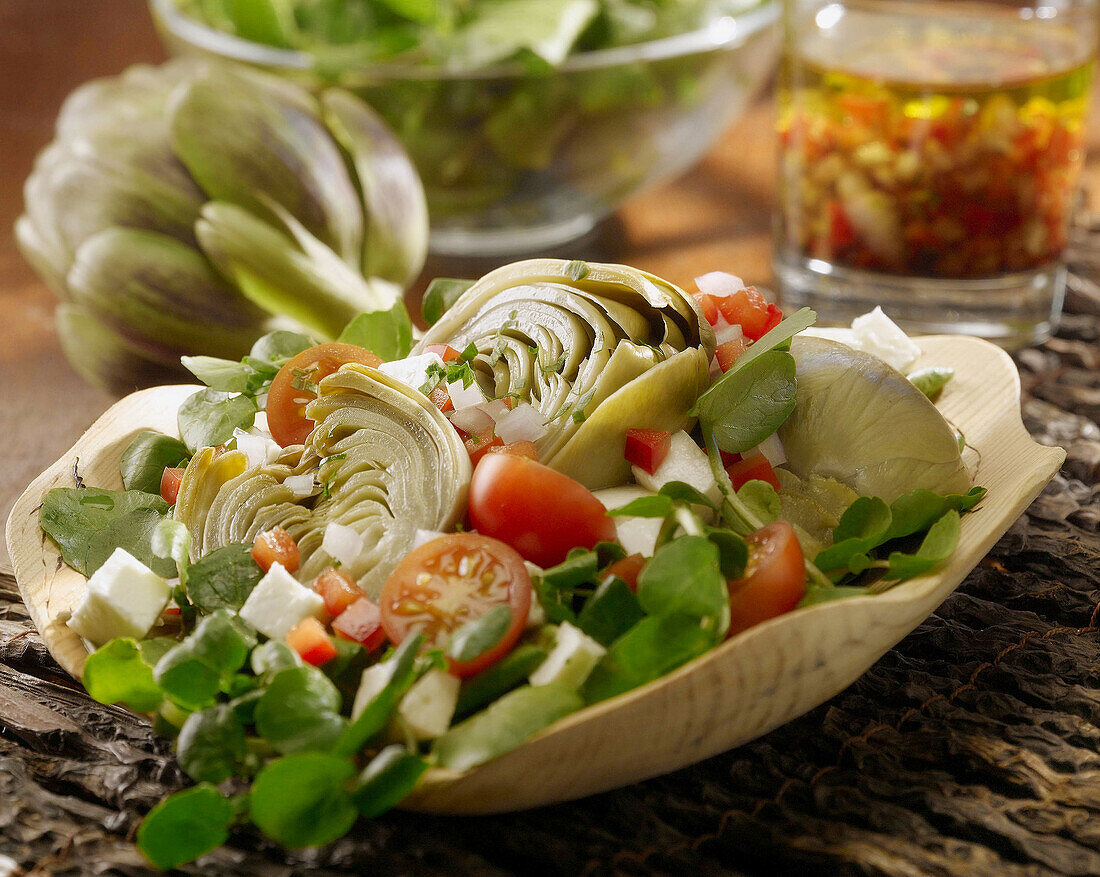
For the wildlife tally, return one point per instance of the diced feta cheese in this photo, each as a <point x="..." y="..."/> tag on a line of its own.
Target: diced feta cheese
<point x="636" y="535"/>
<point x="685" y="462"/>
<point x="259" y="449"/>
<point x="278" y="602"/>
<point x="412" y="370"/>
<point x="719" y="283"/>
<point x="342" y="543"/>
<point x="429" y="704"/>
<point x="466" y="397"/>
<point x="125" y="598"/>
<point x="877" y="334"/>
<point x="573" y="657"/>
<point x="524" y="423"/>
<point x="374" y="679"/>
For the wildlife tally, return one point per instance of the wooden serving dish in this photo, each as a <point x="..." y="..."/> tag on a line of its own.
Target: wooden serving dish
<point x="750" y="684"/>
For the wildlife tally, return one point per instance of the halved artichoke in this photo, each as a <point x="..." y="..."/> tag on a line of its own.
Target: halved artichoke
<point x="191" y="208"/>
<point x="597" y="349"/>
<point x="861" y="422"/>
<point x="385" y="462"/>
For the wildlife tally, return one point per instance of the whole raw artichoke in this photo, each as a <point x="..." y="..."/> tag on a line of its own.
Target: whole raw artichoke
<point x="192" y="207"/>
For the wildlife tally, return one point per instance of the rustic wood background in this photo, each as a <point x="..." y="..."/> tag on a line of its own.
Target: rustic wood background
<point x="971" y="748"/>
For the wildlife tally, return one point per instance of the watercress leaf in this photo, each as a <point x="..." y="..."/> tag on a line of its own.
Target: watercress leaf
<point x="932" y="380"/>
<point x="681" y="492"/>
<point x="761" y="499"/>
<point x="651" y="648"/>
<point x="610" y="612"/>
<point x="441" y="293"/>
<point x="245" y="705"/>
<point x="152" y="650"/>
<point x="270" y="657"/>
<point x="657" y="506"/>
<point x="497" y="678"/>
<point x="172" y="539"/>
<point x="580" y="566"/>
<point x="277" y="348"/>
<point x="389" y="777"/>
<point x="299" y="711"/>
<point x="684" y="577"/>
<point x="117" y="672"/>
<point x="504" y="725"/>
<point x="607" y="553"/>
<point x="864" y="525"/>
<point x="938" y="545"/>
<point x="224" y="578"/>
<point x="476" y="637"/>
<point x="211" y="744"/>
<point x="733" y="551"/>
<point x="193" y="672"/>
<point x="752" y="402"/>
<point x="208" y="418"/>
<point x="816" y="594"/>
<point x="386" y="334"/>
<point x="302" y="801"/>
<point x="223" y="641"/>
<point x="402" y="670"/>
<point x="916" y="511"/>
<point x="553" y="601"/>
<point x="143" y="462"/>
<point x="219" y="374"/>
<point x="184" y="826"/>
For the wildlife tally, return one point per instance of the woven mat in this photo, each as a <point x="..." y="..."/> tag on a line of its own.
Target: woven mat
<point x="971" y="748"/>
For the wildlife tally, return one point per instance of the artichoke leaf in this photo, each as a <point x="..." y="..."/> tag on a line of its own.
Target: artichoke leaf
<point x="395" y="240"/>
<point x="238" y="140"/>
<point x="859" y="421"/>
<point x="204" y="476"/>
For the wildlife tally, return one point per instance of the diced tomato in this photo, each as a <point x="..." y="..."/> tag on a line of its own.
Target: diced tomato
<point x="337" y="589"/>
<point x="444" y="351"/>
<point x="728" y="457"/>
<point x="441" y="398"/>
<point x="752" y="468"/>
<point x="309" y="640"/>
<point x="170" y="484"/>
<point x="775" y="317"/>
<point x="709" y="305"/>
<point x="647" y="448"/>
<point x="174" y="611"/>
<point x="748" y="309"/>
<point x="362" y="623"/>
<point x="729" y="352"/>
<point x="517" y="449"/>
<point x="276" y="546"/>
<point x="478" y="446"/>
<point x="628" y="569"/>
<point x="774" y="579"/>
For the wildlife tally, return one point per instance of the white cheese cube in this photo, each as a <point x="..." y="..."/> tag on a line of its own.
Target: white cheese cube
<point x="125" y="598"/>
<point x="260" y="449"/>
<point x="573" y="657"/>
<point x="342" y="543"/>
<point x="412" y="370"/>
<point x="637" y="535"/>
<point x="686" y="462"/>
<point x="877" y="334"/>
<point x="429" y="704"/>
<point x="278" y="602"/>
<point x="374" y="679"/>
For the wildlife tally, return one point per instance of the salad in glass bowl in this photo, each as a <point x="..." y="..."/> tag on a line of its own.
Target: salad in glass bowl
<point x="529" y="121"/>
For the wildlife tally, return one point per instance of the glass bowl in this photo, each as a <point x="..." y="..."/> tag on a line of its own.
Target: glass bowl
<point x="519" y="162"/>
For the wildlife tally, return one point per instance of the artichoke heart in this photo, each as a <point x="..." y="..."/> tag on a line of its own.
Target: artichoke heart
<point x="597" y="349"/>
<point x="385" y="462"/>
<point x="859" y="421"/>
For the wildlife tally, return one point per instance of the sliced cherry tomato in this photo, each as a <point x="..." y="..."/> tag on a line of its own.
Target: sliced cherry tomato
<point x="647" y="448"/>
<point x="774" y="579"/>
<point x="709" y="305"/>
<point x="337" y="589"/>
<point x="752" y="468"/>
<point x="748" y="309"/>
<point x="628" y="569"/>
<point x="361" y="622"/>
<point x="522" y="448"/>
<point x="729" y="352"/>
<point x="286" y="403"/>
<point x="276" y="546"/>
<point x="451" y="581"/>
<point x="309" y="640"/>
<point x="170" y="484"/>
<point x="539" y="512"/>
<point x="443" y="351"/>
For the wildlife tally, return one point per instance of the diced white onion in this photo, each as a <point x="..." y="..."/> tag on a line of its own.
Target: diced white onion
<point x="772" y="449"/>
<point x="719" y="283"/>
<point x="523" y="423"/>
<point x="412" y="370"/>
<point x="342" y="543"/>
<point x="465" y="397"/>
<point x="259" y="449"/>
<point x="472" y="420"/>
<point x="724" y="332"/>
<point x="300" y="485"/>
<point x="497" y="409"/>
<point x="422" y="537"/>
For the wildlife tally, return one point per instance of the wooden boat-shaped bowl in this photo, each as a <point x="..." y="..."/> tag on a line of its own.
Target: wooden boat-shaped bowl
<point x="750" y="684"/>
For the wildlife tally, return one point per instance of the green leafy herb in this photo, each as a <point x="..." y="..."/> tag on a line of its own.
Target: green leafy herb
<point x="387" y="334"/>
<point x="203" y="664"/>
<point x="276" y="349"/>
<point x="184" y="826"/>
<point x="211" y="744"/>
<point x="389" y="777"/>
<point x="576" y="270"/>
<point x="441" y="293"/>
<point x="208" y="418"/>
<point x="497" y="678"/>
<point x="224" y="578"/>
<point x="302" y="800"/>
<point x="684" y="578"/>
<point x="220" y="374"/>
<point x="610" y="612"/>
<point x="750" y="403"/>
<point x="373" y="718"/>
<point x="938" y="545"/>
<point x="476" y="637"/>
<point x="147" y="456"/>
<point x="932" y="380"/>
<point x="760" y="497"/>
<point x="299" y="711"/>
<point x="172" y="539"/>
<point x="117" y="672"/>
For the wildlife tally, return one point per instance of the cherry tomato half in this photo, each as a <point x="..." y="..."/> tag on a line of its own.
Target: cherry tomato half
<point x="450" y="581"/>
<point x="170" y="480"/>
<point x="774" y="579"/>
<point x="286" y="404"/>
<point x="539" y="512"/>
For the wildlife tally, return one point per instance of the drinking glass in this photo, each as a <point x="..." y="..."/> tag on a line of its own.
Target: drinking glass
<point x="929" y="156"/>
